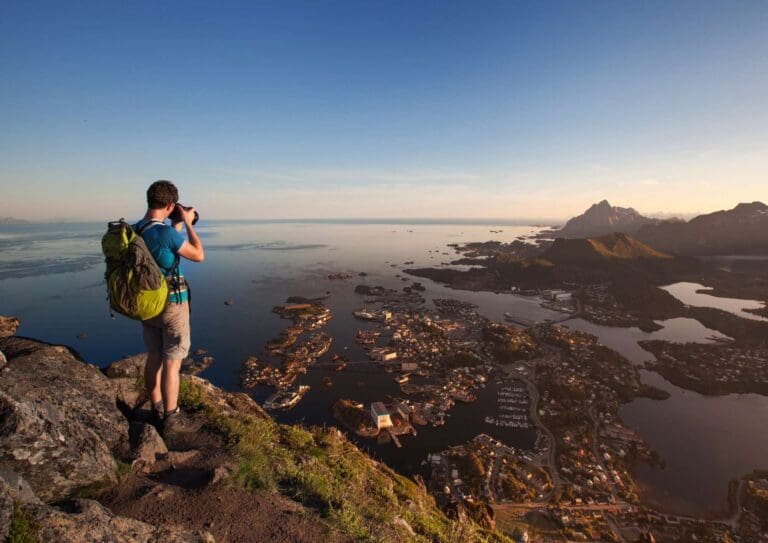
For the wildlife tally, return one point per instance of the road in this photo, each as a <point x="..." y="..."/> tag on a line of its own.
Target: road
<point x="533" y="392"/>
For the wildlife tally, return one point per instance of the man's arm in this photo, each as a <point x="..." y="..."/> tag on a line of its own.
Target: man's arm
<point x="192" y="249"/>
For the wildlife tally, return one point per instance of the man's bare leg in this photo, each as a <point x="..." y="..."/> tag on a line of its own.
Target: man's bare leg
<point x="170" y="384"/>
<point x="152" y="377"/>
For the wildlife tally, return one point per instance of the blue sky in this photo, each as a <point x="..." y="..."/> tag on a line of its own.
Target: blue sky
<point x="385" y="109"/>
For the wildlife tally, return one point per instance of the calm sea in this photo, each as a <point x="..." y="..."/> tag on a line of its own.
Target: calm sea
<point x="51" y="276"/>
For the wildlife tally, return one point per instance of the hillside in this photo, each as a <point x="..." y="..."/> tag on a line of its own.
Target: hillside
<point x="79" y="462"/>
<point x="605" y="249"/>
<point x="742" y="230"/>
<point x="601" y="219"/>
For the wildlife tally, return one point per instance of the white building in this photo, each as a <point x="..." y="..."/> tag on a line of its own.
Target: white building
<point x="388" y="355"/>
<point x="380" y="415"/>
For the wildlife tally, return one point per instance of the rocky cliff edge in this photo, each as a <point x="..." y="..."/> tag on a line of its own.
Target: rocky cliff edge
<point x="79" y="461"/>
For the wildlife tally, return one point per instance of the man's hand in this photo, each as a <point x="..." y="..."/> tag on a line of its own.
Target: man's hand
<point x="178" y="224"/>
<point x="188" y="215"/>
<point x="192" y="249"/>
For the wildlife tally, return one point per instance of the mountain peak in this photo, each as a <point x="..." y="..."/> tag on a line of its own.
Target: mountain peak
<point x="750" y="207"/>
<point x="602" y="218"/>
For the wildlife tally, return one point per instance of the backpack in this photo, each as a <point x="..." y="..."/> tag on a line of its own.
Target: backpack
<point x="135" y="285"/>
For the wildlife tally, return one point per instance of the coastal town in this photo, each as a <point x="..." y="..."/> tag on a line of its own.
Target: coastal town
<point x="575" y="479"/>
<point x="711" y="369"/>
<point x="295" y="354"/>
<point x="564" y="384"/>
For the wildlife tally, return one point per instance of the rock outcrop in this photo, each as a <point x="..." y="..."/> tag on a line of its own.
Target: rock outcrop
<point x="8" y="326"/>
<point x="87" y="520"/>
<point x="59" y="426"/>
<point x="148" y="446"/>
<point x="233" y="474"/>
<point x="127" y="375"/>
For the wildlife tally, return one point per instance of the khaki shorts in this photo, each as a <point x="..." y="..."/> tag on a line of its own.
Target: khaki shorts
<point x="168" y="333"/>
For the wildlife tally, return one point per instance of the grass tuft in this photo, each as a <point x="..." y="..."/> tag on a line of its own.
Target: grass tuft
<point x="23" y="528"/>
<point x="321" y="469"/>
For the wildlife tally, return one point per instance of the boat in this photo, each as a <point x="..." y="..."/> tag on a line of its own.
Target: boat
<point x="286" y="399"/>
<point x="402" y="379"/>
<point x="364" y="314"/>
<point x="465" y="397"/>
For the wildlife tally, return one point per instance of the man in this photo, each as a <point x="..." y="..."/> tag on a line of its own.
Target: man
<point x="167" y="336"/>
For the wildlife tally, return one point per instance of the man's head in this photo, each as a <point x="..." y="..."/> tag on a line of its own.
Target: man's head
<point x="162" y="195"/>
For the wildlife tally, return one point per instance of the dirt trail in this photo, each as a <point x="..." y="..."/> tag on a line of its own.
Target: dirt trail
<point x="184" y="489"/>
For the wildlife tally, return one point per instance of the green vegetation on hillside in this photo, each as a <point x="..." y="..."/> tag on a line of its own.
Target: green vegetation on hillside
<point x="321" y="469"/>
<point x="22" y="528"/>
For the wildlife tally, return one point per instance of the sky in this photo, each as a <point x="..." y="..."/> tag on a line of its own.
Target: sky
<point x="321" y="109"/>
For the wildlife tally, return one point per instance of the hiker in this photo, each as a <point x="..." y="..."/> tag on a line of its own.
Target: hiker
<point x="167" y="336"/>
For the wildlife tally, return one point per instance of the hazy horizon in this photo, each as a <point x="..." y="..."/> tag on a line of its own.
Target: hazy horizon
<point x="360" y="109"/>
<point x="522" y="220"/>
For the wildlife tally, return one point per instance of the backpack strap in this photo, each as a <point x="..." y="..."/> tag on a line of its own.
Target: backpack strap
<point x="174" y="273"/>
<point x="147" y="225"/>
<point x="175" y="276"/>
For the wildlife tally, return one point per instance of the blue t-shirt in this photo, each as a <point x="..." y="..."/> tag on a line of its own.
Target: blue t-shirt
<point x="164" y="242"/>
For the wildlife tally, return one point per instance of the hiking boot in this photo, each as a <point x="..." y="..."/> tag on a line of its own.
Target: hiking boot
<point x="157" y="416"/>
<point x="177" y="428"/>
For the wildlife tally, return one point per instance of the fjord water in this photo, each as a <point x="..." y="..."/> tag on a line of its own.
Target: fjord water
<point x="695" y="294"/>
<point x="51" y="276"/>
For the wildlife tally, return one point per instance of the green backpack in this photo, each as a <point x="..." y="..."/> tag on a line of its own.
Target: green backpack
<point x="135" y="284"/>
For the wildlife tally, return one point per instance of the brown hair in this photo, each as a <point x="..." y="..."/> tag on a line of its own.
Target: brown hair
<point x="161" y="193"/>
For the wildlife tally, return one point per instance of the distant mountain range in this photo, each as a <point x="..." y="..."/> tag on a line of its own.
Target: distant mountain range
<point x="602" y="250"/>
<point x="742" y="230"/>
<point x="603" y="218"/>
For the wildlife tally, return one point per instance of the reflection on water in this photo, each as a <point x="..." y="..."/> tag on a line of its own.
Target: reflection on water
<point x="706" y="441"/>
<point x="687" y="293"/>
<point x="625" y="340"/>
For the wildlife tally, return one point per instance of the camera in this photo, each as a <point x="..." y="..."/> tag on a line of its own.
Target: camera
<point x="175" y="216"/>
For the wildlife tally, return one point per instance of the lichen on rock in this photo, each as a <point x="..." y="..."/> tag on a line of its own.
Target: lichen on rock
<point x="59" y="426"/>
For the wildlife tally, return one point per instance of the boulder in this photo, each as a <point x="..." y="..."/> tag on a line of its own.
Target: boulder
<point x="87" y="520"/>
<point x="59" y="426"/>
<point x="400" y="522"/>
<point x="132" y="367"/>
<point x="196" y="363"/>
<point x="219" y="474"/>
<point x="148" y="444"/>
<point x="127" y="376"/>
<point x="16" y="487"/>
<point x="8" y="326"/>
<point x="131" y="393"/>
